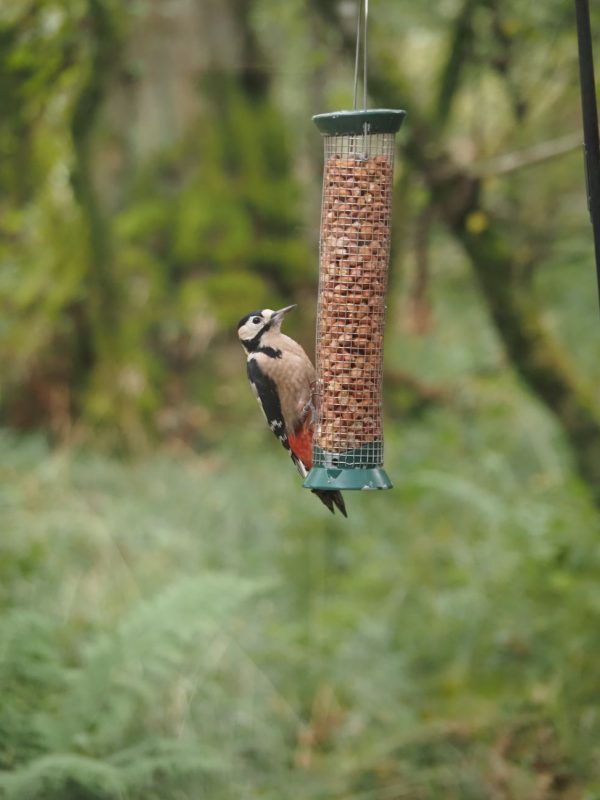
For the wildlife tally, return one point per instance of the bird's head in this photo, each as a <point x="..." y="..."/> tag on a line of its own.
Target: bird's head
<point x="254" y="325"/>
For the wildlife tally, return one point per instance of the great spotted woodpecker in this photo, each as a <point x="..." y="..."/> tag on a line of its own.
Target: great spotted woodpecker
<point x="282" y="378"/>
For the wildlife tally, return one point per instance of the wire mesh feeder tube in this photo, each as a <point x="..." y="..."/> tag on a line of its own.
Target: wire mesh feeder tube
<point x="353" y="267"/>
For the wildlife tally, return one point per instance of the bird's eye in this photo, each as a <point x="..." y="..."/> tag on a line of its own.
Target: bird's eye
<point x="256" y="320"/>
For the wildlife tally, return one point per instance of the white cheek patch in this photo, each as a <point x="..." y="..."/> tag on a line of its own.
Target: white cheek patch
<point x="248" y="331"/>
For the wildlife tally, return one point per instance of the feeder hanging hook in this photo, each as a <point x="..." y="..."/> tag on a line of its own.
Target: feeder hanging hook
<point x="363" y="14"/>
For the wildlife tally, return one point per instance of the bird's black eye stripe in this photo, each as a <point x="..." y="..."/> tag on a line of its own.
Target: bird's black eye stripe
<point x="256" y="320"/>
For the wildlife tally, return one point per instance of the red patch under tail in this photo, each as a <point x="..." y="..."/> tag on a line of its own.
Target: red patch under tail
<point x="301" y="444"/>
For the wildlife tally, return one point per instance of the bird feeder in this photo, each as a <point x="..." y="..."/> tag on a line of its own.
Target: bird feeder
<point x="354" y="252"/>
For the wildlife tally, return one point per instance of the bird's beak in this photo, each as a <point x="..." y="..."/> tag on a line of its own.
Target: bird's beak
<point x="279" y="315"/>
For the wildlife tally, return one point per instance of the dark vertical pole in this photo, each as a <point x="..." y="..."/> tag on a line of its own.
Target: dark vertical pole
<point x="590" y="122"/>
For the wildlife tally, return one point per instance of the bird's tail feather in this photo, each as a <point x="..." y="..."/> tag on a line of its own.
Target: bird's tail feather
<point x="332" y="499"/>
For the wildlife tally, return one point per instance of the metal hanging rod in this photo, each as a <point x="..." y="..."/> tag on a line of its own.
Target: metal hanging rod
<point x="590" y="122"/>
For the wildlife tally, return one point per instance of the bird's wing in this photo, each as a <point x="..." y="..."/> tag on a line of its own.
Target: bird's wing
<point x="266" y="393"/>
<point x="268" y="399"/>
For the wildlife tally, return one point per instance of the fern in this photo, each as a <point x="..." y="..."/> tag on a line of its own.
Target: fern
<point x="124" y="682"/>
<point x="64" y="777"/>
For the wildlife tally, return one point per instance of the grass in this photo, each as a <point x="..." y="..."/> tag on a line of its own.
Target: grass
<point x="189" y="626"/>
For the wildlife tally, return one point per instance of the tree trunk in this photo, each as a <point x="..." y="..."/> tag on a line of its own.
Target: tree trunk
<point x="103" y="310"/>
<point x="534" y="353"/>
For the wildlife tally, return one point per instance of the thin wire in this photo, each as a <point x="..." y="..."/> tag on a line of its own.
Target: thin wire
<point x="363" y="12"/>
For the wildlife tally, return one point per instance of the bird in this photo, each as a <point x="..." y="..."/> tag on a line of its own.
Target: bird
<point x="282" y="378"/>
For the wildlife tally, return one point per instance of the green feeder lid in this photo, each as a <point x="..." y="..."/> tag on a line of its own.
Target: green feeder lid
<point x="374" y="120"/>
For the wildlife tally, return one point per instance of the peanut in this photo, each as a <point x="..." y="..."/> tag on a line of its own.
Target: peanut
<point x="355" y="225"/>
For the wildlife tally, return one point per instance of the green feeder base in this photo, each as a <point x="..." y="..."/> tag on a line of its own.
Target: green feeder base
<point x="353" y="469"/>
<point x="364" y="478"/>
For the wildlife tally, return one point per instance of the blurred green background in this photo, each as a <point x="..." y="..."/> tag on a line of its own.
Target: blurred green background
<point x="179" y="619"/>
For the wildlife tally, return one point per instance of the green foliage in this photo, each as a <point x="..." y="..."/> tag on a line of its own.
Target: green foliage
<point x="103" y="307"/>
<point x="199" y="626"/>
<point x="66" y="777"/>
<point x="124" y="269"/>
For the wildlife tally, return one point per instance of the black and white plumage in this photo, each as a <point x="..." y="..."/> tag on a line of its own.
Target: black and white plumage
<point x="266" y="393"/>
<point x="282" y="378"/>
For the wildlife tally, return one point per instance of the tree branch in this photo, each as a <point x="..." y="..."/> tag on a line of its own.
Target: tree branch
<point x="419" y="308"/>
<point x="519" y="159"/>
<point x="460" y="48"/>
<point x="411" y="395"/>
